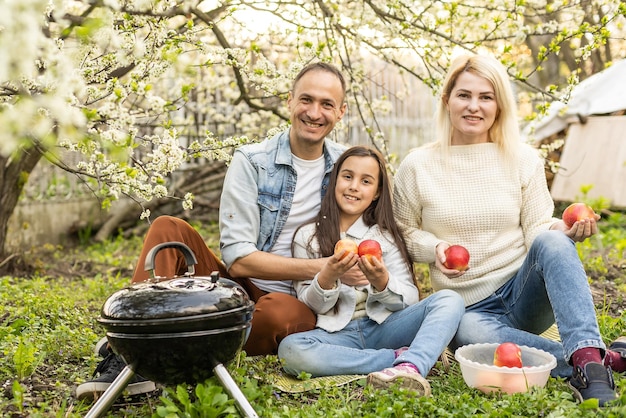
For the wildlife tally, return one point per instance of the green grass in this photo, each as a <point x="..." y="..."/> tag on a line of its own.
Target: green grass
<point x="48" y="329"/>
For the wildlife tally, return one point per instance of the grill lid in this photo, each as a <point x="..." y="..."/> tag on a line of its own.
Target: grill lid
<point x="178" y="297"/>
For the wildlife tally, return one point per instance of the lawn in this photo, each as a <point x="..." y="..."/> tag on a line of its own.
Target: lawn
<point x="48" y="329"/>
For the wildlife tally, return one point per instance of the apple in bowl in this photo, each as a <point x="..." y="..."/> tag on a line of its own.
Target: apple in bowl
<point x="507" y="354"/>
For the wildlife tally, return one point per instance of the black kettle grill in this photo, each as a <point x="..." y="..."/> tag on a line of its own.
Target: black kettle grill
<point x="176" y="330"/>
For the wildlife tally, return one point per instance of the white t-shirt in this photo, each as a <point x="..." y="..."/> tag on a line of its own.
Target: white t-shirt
<point x="306" y="204"/>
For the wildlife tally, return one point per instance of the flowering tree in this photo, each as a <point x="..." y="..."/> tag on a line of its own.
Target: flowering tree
<point x="138" y="88"/>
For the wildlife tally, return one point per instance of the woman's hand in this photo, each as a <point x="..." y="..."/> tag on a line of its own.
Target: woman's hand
<point x="375" y="272"/>
<point x="440" y="258"/>
<point x="580" y="231"/>
<point x="335" y="268"/>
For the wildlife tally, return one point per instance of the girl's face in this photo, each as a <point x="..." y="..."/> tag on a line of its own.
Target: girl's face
<point x="357" y="187"/>
<point x="473" y="108"/>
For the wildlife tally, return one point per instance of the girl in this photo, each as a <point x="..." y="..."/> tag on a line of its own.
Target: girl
<point x="364" y="330"/>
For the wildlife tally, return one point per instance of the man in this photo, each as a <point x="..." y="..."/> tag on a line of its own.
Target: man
<point x="270" y="189"/>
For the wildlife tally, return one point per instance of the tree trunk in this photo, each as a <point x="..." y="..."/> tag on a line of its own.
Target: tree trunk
<point x="14" y="173"/>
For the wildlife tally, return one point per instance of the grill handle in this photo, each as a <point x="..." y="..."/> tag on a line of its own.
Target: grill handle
<point x="190" y="257"/>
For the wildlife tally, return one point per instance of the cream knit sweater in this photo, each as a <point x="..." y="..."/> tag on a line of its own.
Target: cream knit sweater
<point x="472" y="198"/>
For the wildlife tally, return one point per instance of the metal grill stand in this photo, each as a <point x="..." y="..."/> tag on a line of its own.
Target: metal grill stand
<point x="121" y="381"/>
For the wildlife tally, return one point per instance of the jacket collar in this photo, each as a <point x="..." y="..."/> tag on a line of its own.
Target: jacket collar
<point x="358" y="229"/>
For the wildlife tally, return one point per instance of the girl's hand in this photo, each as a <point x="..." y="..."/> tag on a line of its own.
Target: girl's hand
<point x="335" y="268"/>
<point x="375" y="272"/>
<point x="440" y="258"/>
<point x="580" y="231"/>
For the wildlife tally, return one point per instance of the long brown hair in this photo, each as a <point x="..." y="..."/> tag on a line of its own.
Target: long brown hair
<point x="380" y="211"/>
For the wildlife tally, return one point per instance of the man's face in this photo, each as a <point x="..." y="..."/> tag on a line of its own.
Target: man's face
<point x="315" y="107"/>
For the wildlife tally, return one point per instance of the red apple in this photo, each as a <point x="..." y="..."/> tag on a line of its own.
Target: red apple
<point x="370" y="248"/>
<point x="507" y="355"/>
<point x="577" y="212"/>
<point x="348" y="245"/>
<point x="457" y="258"/>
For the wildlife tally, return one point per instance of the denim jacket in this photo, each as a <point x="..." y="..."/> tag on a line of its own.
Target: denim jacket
<point x="257" y="195"/>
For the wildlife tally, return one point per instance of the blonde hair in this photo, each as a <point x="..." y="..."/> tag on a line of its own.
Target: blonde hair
<point x="505" y="130"/>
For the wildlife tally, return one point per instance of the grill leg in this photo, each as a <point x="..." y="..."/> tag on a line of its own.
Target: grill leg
<point x="111" y="394"/>
<point x="231" y="387"/>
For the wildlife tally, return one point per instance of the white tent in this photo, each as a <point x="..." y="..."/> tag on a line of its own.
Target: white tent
<point x="602" y="93"/>
<point x="594" y="153"/>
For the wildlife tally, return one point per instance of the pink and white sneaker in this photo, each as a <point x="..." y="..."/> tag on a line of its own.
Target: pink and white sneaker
<point x="403" y="374"/>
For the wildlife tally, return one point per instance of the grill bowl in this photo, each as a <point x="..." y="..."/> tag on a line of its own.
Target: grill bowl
<point x="173" y="358"/>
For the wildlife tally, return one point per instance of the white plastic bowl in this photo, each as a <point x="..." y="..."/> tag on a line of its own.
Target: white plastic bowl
<point x="478" y="371"/>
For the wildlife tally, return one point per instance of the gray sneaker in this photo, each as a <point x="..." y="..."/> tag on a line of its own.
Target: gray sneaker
<point x="595" y="381"/>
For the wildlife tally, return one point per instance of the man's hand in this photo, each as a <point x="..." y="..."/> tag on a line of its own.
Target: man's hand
<point x="354" y="277"/>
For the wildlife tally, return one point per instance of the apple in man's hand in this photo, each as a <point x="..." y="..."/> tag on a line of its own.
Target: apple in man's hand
<point x="370" y="248"/>
<point x="577" y="212"/>
<point x="348" y="245"/>
<point x="457" y="258"/>
<point x="508" y="355"/>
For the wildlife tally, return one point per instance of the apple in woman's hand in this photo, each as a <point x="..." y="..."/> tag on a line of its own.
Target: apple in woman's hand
<point x="508" y="355"/>
<point x="457" y="258"/>
<point x="577" y="212"/>
<point x="370" y="248"/>
<point x="348" y="245"/>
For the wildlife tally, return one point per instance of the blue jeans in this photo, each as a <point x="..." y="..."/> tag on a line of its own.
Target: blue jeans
<point x="365" y="346"/>
<point x="550" y="286"/>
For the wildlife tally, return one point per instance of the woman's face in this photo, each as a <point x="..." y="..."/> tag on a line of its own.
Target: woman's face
<point x="356" y="188"/>
<point x="472" y="108"/>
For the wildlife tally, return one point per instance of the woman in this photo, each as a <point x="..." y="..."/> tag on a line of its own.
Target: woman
<point x="480" y="187"/>
<point x="364" y="329"/>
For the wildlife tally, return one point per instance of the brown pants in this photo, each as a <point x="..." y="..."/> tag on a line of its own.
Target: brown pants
<point x="275" y="316"/>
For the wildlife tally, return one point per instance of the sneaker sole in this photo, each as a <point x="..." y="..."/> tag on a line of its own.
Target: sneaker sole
<point x="419" y="385"/>
<point x="93" y="390"/>
<point x="577" y="394"/>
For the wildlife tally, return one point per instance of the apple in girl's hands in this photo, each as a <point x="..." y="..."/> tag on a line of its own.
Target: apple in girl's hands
<point x="507" y="354"/>
<point x="457" y="258"/>
<point x="577" y="212"/>
<point x="348" y="247"/>
<point x="370" y="249"/>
